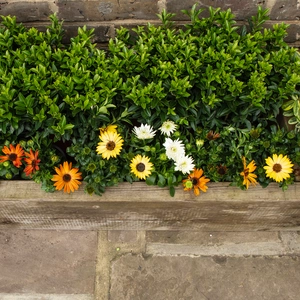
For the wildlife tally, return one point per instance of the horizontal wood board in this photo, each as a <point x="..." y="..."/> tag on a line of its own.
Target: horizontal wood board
<point x="140" y="207"/>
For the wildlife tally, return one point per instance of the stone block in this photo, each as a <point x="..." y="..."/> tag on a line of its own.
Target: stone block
<point x="47" y="262"/>
<point x="284" y="10"/>
<point x="242" y="9"/>
<point x="27" y="11"/>
<point x="202" y="278"/>
<point x="107" y="10"/>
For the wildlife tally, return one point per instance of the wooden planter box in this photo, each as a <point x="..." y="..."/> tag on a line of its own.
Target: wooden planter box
<point x="140" y="207"/>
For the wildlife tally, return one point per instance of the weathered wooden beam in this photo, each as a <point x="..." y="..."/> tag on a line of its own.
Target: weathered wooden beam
<point x="140" y="207"/>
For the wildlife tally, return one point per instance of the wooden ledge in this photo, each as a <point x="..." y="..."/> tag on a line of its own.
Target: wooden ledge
<point x="138" y="206"/>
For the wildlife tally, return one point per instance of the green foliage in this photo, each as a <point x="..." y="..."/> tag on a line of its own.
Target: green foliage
<point x="209" y="76"/>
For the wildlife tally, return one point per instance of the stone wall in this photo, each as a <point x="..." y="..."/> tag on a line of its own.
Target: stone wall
<point x="106" y="15"/>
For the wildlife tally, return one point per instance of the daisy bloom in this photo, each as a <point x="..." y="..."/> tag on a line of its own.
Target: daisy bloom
<point x="144" y="132"/>
<point x="32" y="162"/>
<point x="278" y="167"/>
<point x="248" y="175"/>
<point x="184" y="164"/>
<point x="67" y="178"/>
<point x="197" y="181"/>
<point x="110" y="145"/>
<point x="109" y="128"/>
<point x="168" y="127"/>
<point x="174" y="149"/>
<point x="212" y="135"/>
<point x="141" y="166"/>
<point x="14" y="154"/>
<point x="222" y="170"/>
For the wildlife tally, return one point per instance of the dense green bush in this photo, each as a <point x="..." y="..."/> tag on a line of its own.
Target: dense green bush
<point x="224" y="87"/>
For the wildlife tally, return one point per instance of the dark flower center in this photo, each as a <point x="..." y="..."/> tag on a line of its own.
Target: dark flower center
<point x="110" y="145"/>
<point x="277" y="168"/>
<point x="140" y="167"/>
<point x="67" y="177"/>
<point x="246" y="172"/>
<point x="195" y="181"/>
<point x="13" y="156"/>
<point x="222" y="170"/>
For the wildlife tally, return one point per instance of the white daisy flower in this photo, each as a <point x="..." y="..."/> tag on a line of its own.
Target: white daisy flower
<point x="174" y="149"/>
<point x="144" y="132"/>
<point x="184" y="164"/>
<point x="168" y="127"/>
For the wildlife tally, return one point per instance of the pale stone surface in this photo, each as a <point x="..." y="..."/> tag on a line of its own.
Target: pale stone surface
<point x="58" y="262"/>
<point x="202" y="278"/>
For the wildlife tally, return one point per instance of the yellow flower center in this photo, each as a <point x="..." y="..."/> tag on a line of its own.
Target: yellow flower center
<point x="12" y="156"/>
<point x="277" y="168"/>
<point x="140" y="167"/>
<point x="67" y="177"/>
<point x="110" y="145"/>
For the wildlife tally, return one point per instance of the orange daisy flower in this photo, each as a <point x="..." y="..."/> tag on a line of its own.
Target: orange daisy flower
<point x="14" y="154"/>
<point x="212" y="135"/>
<point x="32" y="162"/>
<point x="67" y="178"/>
<point x="196" y="181"/>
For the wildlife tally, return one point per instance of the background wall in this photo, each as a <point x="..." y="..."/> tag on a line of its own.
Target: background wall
<point x="106" y="15"/>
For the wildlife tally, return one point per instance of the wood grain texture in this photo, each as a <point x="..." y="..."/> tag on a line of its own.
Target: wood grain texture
<point x="141" y="207"/>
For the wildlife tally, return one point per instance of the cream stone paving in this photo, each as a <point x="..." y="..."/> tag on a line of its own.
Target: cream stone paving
<point x="148" y="265"/>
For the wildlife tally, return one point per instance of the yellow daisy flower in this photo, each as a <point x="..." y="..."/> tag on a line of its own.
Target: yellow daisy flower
<point x="109" y="128"/>
<point x="67" y="178"/>
<point x="248" y="175"/>
<point x="110" y="145"/>
<point x="141" y="166"/>
<point x="278" y="167"/>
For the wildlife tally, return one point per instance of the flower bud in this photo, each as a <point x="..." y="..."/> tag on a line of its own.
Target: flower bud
<point x="30" y="143"/>
<point x="163" y="156"/>
<point x="54" y="158"/>
<point x="97" y="179"/>
<point x="86" y="151"/>
<point x="6" y="164"/>
<point x="22" y="144"/>
<point x="113" y="169"/>
<point x="8" y="175"/>
<point x="91" y="167"/>
<point x="102" y="163"/>
<point x="199" y="143"/>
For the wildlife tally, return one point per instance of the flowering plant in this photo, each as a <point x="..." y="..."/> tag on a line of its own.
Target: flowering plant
<point x="164" y="105"/>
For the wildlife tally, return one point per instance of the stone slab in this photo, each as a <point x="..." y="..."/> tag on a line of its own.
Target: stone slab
<point x="47" y="262"/>
<point x="221" y="243"/>
<point x="201" y="278"/>
<point x="28" y="11"/>
<point x="79" y="10"/>
<point x="242" y="9"/>
<point x="284" y="10"/>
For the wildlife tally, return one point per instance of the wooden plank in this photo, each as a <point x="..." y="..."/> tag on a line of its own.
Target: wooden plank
<point x="140" y="192"/>
<point x="142" y="207"/>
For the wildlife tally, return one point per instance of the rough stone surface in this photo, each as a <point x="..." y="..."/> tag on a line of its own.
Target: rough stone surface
<point x="202" y="278"/>
<point x="47" y="261"/>
<point x="284" y="10"/>
<point x="242" y="9"/>
<point x="107" y="10"/>
<point x="28" y="11"/>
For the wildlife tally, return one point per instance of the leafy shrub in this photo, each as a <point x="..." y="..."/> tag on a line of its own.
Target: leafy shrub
<point x="223" y="86"/>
